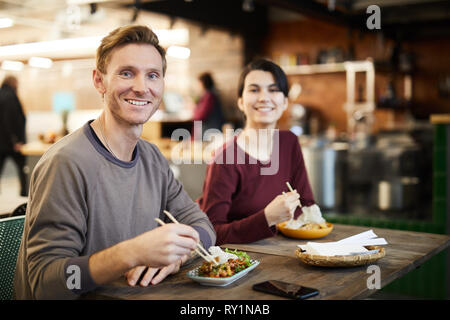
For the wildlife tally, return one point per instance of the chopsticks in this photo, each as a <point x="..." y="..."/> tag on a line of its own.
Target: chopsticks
<point x="292" y="190"/>
<point x="205" y="255"/>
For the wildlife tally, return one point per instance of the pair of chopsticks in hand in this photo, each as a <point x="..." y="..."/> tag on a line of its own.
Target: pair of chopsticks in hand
<point x="205" y="255"/>
<point x="292" y="190"/>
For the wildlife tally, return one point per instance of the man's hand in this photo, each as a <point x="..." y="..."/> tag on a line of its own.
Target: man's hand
<point x="151" y="274"/>
<point x="158" y="248"/>
<point x="164" y="245"/>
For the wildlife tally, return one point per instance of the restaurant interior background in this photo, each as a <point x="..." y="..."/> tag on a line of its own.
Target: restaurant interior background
<point x="361" y="99"/>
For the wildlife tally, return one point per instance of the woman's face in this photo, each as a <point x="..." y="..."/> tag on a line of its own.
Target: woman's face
<point x="262" y="100"/>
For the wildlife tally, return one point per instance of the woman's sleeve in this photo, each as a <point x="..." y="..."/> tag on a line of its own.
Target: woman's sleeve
<point x="300" y="178"/>
<point x="221" y="184"/>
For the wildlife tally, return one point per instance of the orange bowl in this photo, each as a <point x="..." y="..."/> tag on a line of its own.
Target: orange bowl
<point x="304" y="234"/>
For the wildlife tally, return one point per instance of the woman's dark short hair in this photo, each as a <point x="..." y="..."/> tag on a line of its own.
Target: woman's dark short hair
<point x="207" y="80"/>
<point x="265" y="65"/>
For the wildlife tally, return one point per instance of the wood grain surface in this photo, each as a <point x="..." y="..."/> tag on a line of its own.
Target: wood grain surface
<point x="406" y="251"/>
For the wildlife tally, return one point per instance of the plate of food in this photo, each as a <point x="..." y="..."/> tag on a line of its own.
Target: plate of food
<point x="309" y="225"/>
<point x="232" y="265"/>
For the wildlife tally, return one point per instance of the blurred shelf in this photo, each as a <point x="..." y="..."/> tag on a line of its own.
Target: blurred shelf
<point x="440" y="118"/>
<point x="357" y="66"/>
<point x="314" y="68"/>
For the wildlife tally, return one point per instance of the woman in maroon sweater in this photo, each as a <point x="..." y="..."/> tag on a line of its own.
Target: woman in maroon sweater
<point x="243" y="190"/>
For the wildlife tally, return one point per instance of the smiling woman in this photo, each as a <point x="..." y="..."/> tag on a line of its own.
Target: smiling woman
<point x="243" y="200"/>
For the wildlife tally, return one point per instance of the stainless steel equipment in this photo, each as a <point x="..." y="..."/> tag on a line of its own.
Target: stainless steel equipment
<point x="398" y="193"/>
<point x="326" y="164"/>
<point x="390" y="175"/>
<point x="398" y="188"/>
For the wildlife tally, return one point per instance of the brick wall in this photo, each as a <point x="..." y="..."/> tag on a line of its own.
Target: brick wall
<point x="325" y="93"/>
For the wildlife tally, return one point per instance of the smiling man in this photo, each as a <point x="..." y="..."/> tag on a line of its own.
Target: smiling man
<point x="95" y="194"/>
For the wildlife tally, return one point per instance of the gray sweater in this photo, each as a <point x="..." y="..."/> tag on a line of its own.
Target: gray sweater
<point x="83" y="200"/>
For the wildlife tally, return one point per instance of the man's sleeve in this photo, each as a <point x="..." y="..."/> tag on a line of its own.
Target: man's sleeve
<point x="57" y="230"/>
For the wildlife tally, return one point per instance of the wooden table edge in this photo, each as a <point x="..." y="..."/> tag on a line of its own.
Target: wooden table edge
<point x="416" y="264"/>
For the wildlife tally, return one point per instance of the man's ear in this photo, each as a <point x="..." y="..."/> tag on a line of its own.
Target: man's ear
<point x="98" y="80"/>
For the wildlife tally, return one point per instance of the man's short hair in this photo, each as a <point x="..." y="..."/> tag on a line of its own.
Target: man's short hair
<point x="127" y="35"/>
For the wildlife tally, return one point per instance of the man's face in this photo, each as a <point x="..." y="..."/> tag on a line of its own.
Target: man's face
<point x="133" y="84"/>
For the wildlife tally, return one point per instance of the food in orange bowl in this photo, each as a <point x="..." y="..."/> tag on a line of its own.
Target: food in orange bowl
<point x="307" y="231"/>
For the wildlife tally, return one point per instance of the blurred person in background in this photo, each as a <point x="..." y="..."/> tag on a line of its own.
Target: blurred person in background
<point x="209" y="107"/>
<point x="12" y="129"/>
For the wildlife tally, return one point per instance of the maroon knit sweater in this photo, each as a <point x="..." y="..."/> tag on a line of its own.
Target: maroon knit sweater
<point x="236" y="193"/>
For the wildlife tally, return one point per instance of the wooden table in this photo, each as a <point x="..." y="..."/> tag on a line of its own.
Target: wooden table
<point x="406" y="251"/>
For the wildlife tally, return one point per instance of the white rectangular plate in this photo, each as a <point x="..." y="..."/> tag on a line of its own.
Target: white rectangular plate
<point x="221" y="282"/>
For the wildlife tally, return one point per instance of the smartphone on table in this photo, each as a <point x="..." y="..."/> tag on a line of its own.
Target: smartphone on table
<point x="284" y="289"/>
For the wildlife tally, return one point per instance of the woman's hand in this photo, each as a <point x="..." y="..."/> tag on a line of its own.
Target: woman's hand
<point x="151" y="274"/>
<point x="282" y="208"/>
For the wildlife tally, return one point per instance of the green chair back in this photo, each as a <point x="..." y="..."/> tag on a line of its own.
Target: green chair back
<point x="11" y="230"/>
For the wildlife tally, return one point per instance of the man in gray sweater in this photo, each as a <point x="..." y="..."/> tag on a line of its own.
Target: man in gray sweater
<point x="95" y="194"/>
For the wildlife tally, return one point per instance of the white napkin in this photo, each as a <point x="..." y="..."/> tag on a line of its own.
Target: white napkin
<point x="348" y="246"/>
<point x="334" y="249"/>
<point x="358" y="237"/>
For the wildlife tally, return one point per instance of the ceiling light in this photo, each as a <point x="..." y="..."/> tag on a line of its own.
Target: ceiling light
<point x="12" y="65"/>
<point x="6" y="22"/>
<point x="178" y="52"/>
<point x="39" y="62"/>
<point x="56" y="49"/>
<point x="80" y="47"/>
